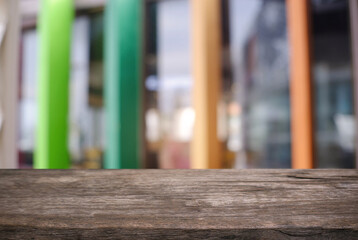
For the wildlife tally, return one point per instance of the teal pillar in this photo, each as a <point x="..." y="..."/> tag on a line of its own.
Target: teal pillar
<point x="123" y="33"/>
<point x="54" y="28"/>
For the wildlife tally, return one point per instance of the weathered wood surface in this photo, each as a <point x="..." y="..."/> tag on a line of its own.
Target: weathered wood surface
<point x="179" y="204"/>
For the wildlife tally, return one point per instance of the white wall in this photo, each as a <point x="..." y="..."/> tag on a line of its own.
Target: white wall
<point x="9" y="61"/>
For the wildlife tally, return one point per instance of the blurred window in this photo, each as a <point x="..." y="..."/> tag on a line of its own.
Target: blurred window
<point x="27" y="101"/>
<point x="256" y="94"/>
<point x="86" y="137"/>
<point x="334" y="132"/>
<point x="169" y="116"/>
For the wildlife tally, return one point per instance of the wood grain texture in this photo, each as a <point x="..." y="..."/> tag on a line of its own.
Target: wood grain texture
<point x="179" y="204"/>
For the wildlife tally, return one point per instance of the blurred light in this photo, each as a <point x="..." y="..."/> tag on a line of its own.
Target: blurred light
<point x="151" y="83"/>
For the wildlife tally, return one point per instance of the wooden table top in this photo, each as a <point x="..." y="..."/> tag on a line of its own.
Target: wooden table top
<point x="179" y="204"/>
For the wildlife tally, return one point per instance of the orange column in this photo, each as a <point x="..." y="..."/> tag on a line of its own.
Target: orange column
<point x="206" y="45"/>
<point x="301" y="104"/>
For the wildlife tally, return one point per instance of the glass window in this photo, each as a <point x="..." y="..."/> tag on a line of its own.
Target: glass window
<point x="333" y="112"/>
<point x="169" y="116"/>
<point x="258" y="106"/>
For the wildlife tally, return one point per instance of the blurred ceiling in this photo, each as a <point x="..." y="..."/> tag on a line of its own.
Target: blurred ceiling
<point x="29" y="9"/>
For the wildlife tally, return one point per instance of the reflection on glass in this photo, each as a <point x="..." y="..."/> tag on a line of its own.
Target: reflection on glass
<point x="259" y="109"/>
<point x="169" y="116"/>
<point x="332" y="84"/>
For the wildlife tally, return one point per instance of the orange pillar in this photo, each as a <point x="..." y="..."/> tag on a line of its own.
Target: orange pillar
<point x="300" y="89"/>
<point x="206" y="45"/>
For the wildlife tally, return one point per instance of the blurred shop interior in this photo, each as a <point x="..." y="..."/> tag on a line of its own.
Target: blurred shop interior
<point x="254" y="106"/>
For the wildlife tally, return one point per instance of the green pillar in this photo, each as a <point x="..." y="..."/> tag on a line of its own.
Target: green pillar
<point x="123" y="32"/>
<point x="54" y="27"/>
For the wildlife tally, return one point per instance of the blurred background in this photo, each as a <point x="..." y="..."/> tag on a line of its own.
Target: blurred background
<point x="253" y="96"/>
